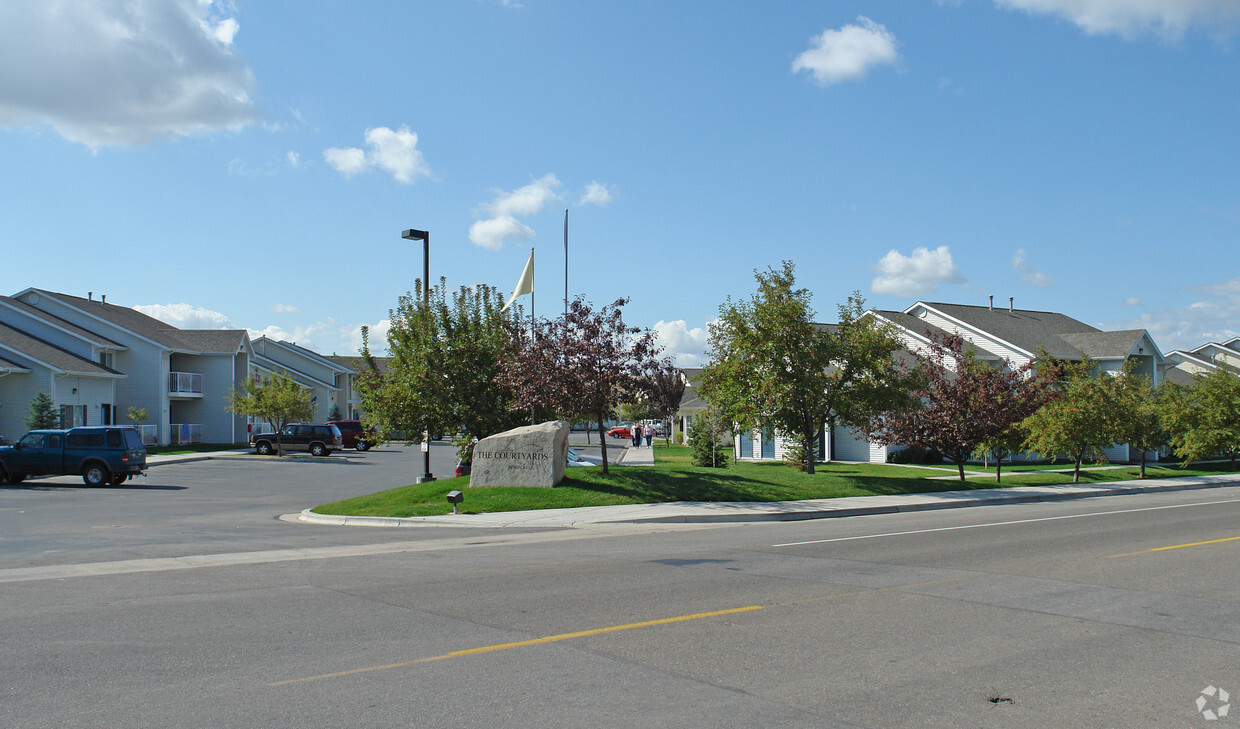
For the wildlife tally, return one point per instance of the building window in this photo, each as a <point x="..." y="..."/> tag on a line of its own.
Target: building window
<point x="105" y="359"/>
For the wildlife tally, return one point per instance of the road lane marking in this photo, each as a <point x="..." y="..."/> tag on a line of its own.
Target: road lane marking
<point x="523" y="643"/>
<point x="1176" y="546"/>
<point x="1004" y="523"/>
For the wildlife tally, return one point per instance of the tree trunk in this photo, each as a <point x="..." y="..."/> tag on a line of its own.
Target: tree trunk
<point x="1076" y="471"/>
<point x="999" y="470"/>
<point x="960" y="468"/>
<point x="602" y="439"/>
<point x="1143" y="464"/>
<point x="808" y="441"/>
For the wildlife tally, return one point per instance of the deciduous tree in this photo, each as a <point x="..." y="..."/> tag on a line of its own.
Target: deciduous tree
<point x="276" y="398"/>
<point x="444" y="366"/>
<point x="771" y="365"/>
<point x="584" y="361"/>
<point x="966" y="404"/>
<point x="1082" y="420"/>
<point x="1204" y="419"/>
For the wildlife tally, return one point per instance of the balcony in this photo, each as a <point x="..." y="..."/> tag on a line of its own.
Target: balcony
<point x="185" y="385"/>
<point x="182" y="433"/>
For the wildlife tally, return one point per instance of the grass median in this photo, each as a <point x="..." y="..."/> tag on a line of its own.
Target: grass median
<point x="673" y="478"/>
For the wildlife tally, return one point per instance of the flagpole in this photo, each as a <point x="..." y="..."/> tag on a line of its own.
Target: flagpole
<point x="532" y="343"/>
<point x="566" y="262"/>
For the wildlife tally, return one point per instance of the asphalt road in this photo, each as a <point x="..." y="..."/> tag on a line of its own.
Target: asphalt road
<point x="1112" y="612"/>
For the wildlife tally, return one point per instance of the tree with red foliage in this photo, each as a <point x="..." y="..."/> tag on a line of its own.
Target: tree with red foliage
<point x="967" y="403"/>
<point x="583" y="362"/>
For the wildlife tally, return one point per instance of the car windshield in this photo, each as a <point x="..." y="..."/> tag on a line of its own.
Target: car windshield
<point x="32" y="440"/>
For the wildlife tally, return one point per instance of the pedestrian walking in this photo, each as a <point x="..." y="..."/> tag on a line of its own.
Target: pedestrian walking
<point x="649" y="433"/>
<point x="637" y="435"/>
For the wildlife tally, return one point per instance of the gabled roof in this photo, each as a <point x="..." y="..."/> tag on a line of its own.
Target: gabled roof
<point x="924" y="330"/>
<point x="195" y="341"/>
<point x="1107" y="345"/>
<point x="327" y="362"/>
<point x="24" y="346"/>
<point x="357" y="365"/>
<point x="271" y="365"/>
<point x="1026" y="330"/>
<point x="62" y="324"/>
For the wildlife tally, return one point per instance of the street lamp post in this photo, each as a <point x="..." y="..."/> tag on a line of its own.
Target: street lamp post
<point x="425" y="237"/>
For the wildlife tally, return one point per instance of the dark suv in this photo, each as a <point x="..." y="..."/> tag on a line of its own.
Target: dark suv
<point x="318" y="440"/>
<point x="355" y="436"/>
<point x="102" y="454"/>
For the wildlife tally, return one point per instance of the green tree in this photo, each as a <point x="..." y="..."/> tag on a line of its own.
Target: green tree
<point x="1141" y="422"/>
<point x="444" y="366"/>
<point x="1084" y="417"/>
<point x="771" y="365"/>
<point x="42" y="413"/>
<point x="706" y="429"/>
<point x="276" y="398"/>
<point x="1203" y="419"/>
<point x="136" y="415"/>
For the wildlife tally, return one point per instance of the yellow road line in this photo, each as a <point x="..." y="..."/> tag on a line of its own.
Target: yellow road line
<point x="1176" y="546"/>
<point x="523" y="643"/>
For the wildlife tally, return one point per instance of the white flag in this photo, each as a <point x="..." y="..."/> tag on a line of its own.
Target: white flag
<point x="525" y="285"/>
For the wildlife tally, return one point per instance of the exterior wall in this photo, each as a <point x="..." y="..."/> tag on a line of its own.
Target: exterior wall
<point x="17" y="390"/>
<point x="92" y="392"/>
<point x="217" y="424"/>
<point x="850" y="445"/>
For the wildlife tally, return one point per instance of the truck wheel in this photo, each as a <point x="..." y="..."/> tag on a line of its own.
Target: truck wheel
<point x="4" y="477"/>
<point x="95" y="475"/>
<point x="318" y="449"/>
<point x="15" y="478"/>
<point x="263" y="448"/>
<point x="119" y="478"/>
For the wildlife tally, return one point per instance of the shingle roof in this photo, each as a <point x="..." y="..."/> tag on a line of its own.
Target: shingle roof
<point x="49" y="354"/>
<point x="201" y="341"/>
<point x="1029" y="330"/>
<point x="358" y="364"/>
<point x="922" y="328"/>
<point x="53" y="320"/>
<point x="1105" y="345"/>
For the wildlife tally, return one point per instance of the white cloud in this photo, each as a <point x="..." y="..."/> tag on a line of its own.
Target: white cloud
<point x="121" y="72"/>
<point x="686" y="347"/>
<point x="492" y="233"/>
<point x="185" y="316"/>
<point x="1132" y="301"/>
<point x="1027" y="274"/>
<point x="596" y="194"/>
<point x="394" y="151"/>
<point x="285" y="309"/>
<point x="530" y="199"/>
<point x="921" y="273"/>
<point x="1134" y="18"/>
<point x="848" y="53"/>
<point x="294" y="159"/>
<point x="1213" y="315"/>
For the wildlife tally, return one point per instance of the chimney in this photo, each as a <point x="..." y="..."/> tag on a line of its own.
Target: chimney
<point x="90" y="295"/>
<point x="992" y="302"/>
<point x="1010" y="307"/>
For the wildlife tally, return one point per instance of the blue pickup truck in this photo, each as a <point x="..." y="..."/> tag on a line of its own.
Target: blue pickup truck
<point x="101" y="455"/>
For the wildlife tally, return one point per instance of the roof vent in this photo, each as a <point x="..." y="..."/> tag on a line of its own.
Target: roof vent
<point x="90" y="295"/>
<point x="103" y="298"/>
<point x="992" y="302"/>
<point x="1010" y="305"/>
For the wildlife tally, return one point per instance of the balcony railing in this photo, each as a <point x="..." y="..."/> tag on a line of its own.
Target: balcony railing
<point x="184" y="383"/>
<point x="185" y="433"/>
<point x="150" y="434"/>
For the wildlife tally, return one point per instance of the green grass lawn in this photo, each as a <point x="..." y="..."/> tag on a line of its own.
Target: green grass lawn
<point x="672" y="478"/>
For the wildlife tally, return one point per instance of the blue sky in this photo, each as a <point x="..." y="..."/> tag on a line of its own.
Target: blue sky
<point x="252" y="164"/>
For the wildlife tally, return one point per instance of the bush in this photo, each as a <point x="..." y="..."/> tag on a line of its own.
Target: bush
<point x="705" y="446"/>
<point x="915" y="454"/>
<point x="794" y="454"/>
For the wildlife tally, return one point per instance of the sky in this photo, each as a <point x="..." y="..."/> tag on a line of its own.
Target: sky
<point x="227" y="163"/>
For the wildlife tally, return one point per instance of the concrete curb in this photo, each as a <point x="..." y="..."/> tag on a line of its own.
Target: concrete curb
<point x="742" y="512"/>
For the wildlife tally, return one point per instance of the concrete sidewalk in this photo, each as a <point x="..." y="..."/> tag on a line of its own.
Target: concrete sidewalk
<point x="694" y="512"/>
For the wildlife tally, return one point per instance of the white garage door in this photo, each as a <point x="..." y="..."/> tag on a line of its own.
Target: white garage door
<point x="849" y="445"/>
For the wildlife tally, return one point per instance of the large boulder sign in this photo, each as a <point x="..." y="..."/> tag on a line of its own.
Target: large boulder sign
<point x="533" y="455"/>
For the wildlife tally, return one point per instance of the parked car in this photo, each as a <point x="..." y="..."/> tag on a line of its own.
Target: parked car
<point x="621" y="431"/>
<point x="317" y="440"/>
<point x="353" y="435"/>
<point x="101" y="454"/>
<point x="463" y="468"/>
